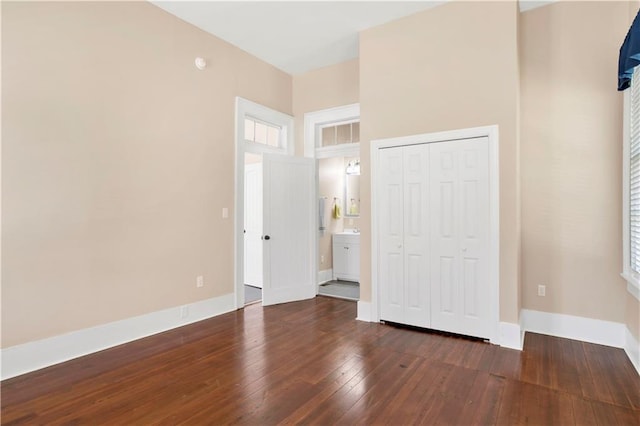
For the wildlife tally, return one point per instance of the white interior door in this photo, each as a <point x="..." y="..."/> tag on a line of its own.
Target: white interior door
<point x="288" y="229"/>
<point x="404" y="223"/>
<point x="253" y="225"/>
<point x="459" y="175"/>
<point x="416" y="235"/>
<point x="391" y="225"/>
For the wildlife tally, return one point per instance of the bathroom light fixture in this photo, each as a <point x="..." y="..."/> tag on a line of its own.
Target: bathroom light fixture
<point x="201" y="63"/>
<point x="353" y="168"/>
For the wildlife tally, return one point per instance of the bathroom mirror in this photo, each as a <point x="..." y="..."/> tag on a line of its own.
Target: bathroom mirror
<point x="352" y="187"/>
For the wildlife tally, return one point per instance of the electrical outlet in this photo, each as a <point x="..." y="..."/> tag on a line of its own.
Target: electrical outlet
<point x="225" y="213"/>
<point x="184" y="312"/>
<point x="542" y="290"/>
<point x="199" y="281"/>
<point x="322" y="259"/>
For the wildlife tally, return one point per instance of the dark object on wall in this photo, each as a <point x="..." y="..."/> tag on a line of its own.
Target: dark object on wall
<point x="629" y="55"/>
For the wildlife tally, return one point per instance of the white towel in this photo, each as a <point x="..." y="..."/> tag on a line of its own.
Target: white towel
<point x="321" y="208"/>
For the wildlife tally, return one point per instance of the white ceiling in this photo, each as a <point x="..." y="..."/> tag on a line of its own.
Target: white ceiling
<point x="297" y="36"/>
<point x="294" y="36"/>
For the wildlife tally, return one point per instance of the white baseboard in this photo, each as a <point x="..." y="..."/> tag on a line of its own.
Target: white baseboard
<point x="632" y="349"/>
<point x="21" y="359"/>
<point x="590" y="330"/>
<point x="511" y="335"/>
<point x="325" y="276"/>
<point x="364" y="311"/>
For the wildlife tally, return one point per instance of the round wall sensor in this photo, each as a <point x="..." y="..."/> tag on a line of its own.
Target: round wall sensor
<point x="200" y="63"/>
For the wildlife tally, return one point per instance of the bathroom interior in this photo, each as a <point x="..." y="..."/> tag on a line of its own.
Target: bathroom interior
<point x="339" y="204"/>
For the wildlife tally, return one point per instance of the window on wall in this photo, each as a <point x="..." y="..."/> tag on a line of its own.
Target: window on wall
<point x="634" y="175"/>
<point x="631" y="183"/>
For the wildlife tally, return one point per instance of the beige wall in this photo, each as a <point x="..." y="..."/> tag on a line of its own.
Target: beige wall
<point x="114" y="144"/>
<point x="114" y="148"/>
<point x="451" y="67"/>
<point x="327" y="87"/>
<point x="571" y="150"/>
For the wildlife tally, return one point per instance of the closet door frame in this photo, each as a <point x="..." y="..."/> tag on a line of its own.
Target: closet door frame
<point x="491" y="132"/>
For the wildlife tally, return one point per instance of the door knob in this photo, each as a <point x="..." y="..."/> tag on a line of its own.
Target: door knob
<point x="266" y="237"/>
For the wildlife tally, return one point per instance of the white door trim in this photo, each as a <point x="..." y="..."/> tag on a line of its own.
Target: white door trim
<point x="494" y="209"/>
<point x="244" y="108"/>
<point x="312" y="123"/>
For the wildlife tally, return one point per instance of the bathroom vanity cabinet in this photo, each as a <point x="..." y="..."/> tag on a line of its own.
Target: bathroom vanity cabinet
<point x="346" y="256"/>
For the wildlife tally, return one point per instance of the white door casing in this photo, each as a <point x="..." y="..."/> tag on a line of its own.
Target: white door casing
<point x="253" y="225"/>
<point x="252" y="110"/>
<point x="288" y="229"/>
<point x="313" y="121"/>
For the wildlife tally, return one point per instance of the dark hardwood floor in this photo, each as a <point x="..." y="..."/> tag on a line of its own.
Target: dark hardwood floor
<point x="310" y="362"/>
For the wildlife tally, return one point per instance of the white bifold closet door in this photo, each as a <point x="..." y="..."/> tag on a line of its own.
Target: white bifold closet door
<point x="434" y="236"/>
<point x="404" y="232"/>
<point x="459" y="194"/>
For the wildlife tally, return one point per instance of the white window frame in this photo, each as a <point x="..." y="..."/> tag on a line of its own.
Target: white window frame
<point x="315" y="121"/>
<point x="260" y="113"/>
<point x="632" y="277"/>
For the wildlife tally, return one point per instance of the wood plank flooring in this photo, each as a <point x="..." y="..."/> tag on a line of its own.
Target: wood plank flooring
<point x="311" y="363"/>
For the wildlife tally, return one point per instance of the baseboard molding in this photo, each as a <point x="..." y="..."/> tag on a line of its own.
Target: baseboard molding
<point x="364" y="311"/>
<point x="325" y="276"/>
<point x="511" y="336"/>
<point x="21" y="359"/>
<point x="590" y="330"/>
<point x="632" y="349"/>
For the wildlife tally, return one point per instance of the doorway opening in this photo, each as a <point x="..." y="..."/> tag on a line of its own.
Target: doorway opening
<point x="339" y="234"/>
<point x="332" y="136"/>
<point x="273" y="220"/>
<point x="253" y="255"/>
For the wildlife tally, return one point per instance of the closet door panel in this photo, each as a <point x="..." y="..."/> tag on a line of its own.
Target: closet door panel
<point x="459" y="177"/>
<point x="444" y="288"/>
<point x="443" y="182"/>
<point x="474" y="236"/>
<point x="416" y="234"/>
<point x="391" y="229"/>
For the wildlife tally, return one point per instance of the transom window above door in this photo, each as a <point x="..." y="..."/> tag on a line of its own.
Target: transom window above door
<point x="339" y="134"/>
<point x="333" y="132"/>
<point x="261" y="132"/>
